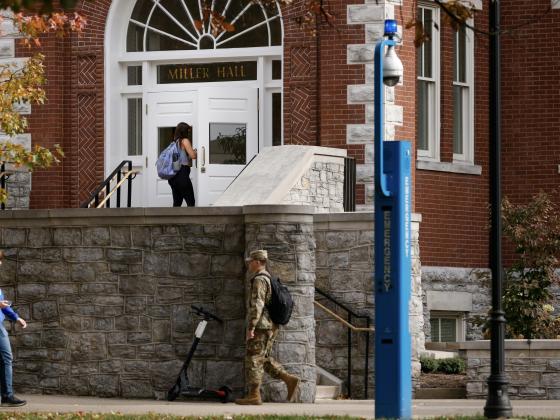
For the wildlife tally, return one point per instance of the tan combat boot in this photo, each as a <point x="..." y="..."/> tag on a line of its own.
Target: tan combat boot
<point x="253" y="397"/>
<point x="292" y="382"/>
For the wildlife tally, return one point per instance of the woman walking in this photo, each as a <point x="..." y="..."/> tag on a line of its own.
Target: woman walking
<point x="181" y="185"/>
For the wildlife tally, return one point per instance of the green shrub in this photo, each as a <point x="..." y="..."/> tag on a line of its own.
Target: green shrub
<point x="429" y="364"/>
<point x="455" y="365"/>
<point x="534" y="230"/>
<point x="452" y="366"/>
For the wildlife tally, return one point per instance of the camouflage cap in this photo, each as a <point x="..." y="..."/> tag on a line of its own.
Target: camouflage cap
<point x="259" y="255"/>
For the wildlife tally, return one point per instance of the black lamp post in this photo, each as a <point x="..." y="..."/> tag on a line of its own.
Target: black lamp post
<point x="497" y="402"/>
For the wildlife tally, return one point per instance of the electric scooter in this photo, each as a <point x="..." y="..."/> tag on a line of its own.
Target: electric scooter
<point x="182" y="386"/>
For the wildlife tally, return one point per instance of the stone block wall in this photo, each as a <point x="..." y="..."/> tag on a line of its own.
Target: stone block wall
<point x="291" y="249"/>
<point x="475" y="282"/>
<point x="18" y="183"/>
<point x="107" y="294"/>
<point x="345" y="253"/>
<point x="322" y="186"/>
<point x="532" y="368"/>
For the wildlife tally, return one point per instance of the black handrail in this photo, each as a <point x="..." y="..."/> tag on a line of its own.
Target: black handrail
<point x="3" y="178"/>
<point x="106" y="185"/>
<point x="350" y="314"/>
<point x="349" y="191"/>
<point x="349" y="184"/>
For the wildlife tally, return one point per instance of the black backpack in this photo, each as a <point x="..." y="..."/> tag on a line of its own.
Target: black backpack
<point x="281" y="302"/>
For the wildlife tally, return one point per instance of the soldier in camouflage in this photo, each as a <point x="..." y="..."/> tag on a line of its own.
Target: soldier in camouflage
<point x="261" y="332"/>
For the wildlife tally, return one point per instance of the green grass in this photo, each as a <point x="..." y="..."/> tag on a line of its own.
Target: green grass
<point x="154" y="416"/>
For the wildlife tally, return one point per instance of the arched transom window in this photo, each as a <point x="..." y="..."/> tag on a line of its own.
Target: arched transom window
<point x="164" y="25"/>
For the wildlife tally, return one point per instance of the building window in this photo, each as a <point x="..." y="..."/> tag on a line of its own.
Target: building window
<point x="134" y="131"/>
<point x="134" y="75"/>
<point x="446" y="327"/>
<point x="167" y="25"/>
<point x="463" y="97"/>
<point x="427" y="68"/>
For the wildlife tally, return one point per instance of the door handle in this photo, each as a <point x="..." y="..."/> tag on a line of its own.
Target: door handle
<point x="203" y="167"/>
<point x="146" y="161"/>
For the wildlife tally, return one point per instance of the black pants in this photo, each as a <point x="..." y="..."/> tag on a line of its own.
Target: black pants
<point x="182" y="188"/>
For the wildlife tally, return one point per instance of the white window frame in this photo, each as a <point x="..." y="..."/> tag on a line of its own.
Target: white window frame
<point x="467" y="116"/>
<point x="433" y="151"/>
<point x="459" y="318"/>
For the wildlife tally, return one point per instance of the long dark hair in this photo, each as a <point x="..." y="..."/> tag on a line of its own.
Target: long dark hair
<point x="183" y="131"/>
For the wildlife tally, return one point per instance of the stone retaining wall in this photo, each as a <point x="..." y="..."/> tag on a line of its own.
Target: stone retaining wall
<point x="533" y="368"/>
<point x="107" y="294"/>
<point x="345" y="253"/>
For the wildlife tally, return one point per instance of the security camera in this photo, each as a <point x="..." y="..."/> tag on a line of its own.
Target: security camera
<point x="392" y="67"/>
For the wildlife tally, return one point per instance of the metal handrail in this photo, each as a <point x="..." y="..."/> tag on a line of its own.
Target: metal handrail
<point x="349" y="190"/>
<point x="4" y="175"/>
<point x="349" y="185"/>
<point x="350" y="327"/>
<point x="342" y="320"/>
<point x="116" y="188"/>
<point x="105" y="187"/>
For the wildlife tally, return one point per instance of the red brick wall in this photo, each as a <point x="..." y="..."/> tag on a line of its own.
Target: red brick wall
<point x="73" y="115"/>
<point x="531" y="99"/>
<point x="405" y="94"/>
<point x="454" y="206"/>
<point x="319" y="93"/>
<point x="300" y="87"/>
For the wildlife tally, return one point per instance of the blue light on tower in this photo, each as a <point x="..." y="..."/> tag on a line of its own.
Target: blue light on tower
<point x="390" y="28"/>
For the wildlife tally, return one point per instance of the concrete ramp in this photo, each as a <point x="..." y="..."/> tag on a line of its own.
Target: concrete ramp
<point x="307" y="175"/>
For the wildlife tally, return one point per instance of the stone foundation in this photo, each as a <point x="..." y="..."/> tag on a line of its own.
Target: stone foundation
<point x="532" y="368"/>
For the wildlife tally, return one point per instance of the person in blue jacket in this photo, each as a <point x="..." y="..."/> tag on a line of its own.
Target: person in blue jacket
<point x="8" y="397"/>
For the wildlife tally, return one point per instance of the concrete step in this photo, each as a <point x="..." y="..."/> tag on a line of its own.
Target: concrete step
<point x="327" y="392"/>
<point x="328" y="385"/>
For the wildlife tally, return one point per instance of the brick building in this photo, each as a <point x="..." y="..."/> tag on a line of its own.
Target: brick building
<point x="116" y="91"/>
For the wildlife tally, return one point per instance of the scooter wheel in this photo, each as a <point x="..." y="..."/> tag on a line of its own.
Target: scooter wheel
<point x="227" y="394"/>
<point x="173" y="392"/>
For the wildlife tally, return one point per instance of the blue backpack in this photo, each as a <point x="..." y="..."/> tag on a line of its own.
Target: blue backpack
<point x="167" y="161"/>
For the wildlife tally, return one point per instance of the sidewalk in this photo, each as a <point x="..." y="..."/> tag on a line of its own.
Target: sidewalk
<point x="354" y="408"/>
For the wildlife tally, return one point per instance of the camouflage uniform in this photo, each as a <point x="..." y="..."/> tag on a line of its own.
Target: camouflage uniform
<point x="259" y="347"/>
<point x="258" y="356"/>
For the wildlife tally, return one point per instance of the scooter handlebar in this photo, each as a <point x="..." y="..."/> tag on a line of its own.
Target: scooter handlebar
<point x="207" y="315"/>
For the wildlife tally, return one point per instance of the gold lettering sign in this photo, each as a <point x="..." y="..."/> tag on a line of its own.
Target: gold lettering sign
<point x="207" y="72"/>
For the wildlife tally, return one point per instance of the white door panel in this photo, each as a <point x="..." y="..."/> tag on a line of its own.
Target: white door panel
<point x="165" y="111"/>
<point x="225" y="132"/>
<point x="228" y="138"/>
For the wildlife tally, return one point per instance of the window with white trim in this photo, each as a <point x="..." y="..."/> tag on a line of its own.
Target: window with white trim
<point x="447" y="326"/>
<point x="463" y="96"/>
<point x="166" y="25"/>
<point x="428" y="84"/>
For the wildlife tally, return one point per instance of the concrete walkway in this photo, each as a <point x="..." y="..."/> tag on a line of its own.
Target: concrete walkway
<point x="355" y="408"/>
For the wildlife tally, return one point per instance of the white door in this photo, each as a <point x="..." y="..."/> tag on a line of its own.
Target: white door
<point x="165" y="111"/>
<point x="227" y="138"/>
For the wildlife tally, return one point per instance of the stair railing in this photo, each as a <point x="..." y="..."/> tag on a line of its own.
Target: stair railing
<point x="350" y="327"/>
<point x="349" y="191"/>
<point x="105" y="190"/>
<point x="4" y="175"/>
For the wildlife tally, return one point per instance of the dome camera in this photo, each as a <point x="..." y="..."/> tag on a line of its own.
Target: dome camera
<point x="392" y="67"/>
